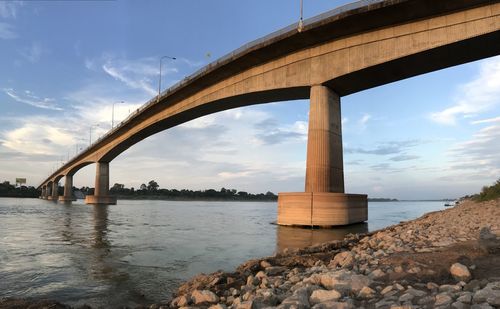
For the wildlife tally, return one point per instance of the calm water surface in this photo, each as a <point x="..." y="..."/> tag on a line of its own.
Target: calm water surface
<point x="137" y="252"/>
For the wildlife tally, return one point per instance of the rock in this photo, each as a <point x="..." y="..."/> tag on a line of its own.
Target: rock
<point x="386" y="290"/>
<point x="459" y="305"/>
<point x="376" y="274"/>
<point x="466" y="298"/>
<point x="449" y="288"/>
<point x="265" y="264"/>
<point x="342" y="260"/>
<point x="243" y="305"/>
<point x="344" y="281"/>
<point x="405" y="297"/>
<point x="416" y="293"/>
<point x="333" y="305"/>
<point x="486" y="234"/>
<point x="299" y="300"/>
<point x="260" y="275"/>
<point x="180" y="301"/>
<point x="399" y="287"/>
<point x="218" y="306"/>
<point x="442" y="299"/>
<point x="321" y="296"/>
<point x="275" y="270"/>
<point x="366" y="293"/>
<point x="205" y="296"/>
<point x="460" y="272"/>
<point x="490" y="293"/>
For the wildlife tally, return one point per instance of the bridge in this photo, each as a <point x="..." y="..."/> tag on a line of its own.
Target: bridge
<point x="340" y="52"/>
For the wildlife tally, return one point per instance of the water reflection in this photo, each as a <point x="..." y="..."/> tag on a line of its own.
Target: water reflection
<point x="100" y="218"/>
<point x="295" y="237"/>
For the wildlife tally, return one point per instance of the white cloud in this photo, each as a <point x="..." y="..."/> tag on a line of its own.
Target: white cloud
<point x="29" y="98"/>
<point x="364" y="120"/>
<point x="489" y="120"/>
<point x="139" y="74"/>
<point x="7" y="31"/>
<point x="475" y="97"/>
<point x="34" y="52"/>
<point x="8" y="9"/>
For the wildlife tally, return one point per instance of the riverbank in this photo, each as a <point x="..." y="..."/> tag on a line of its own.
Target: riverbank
<point x="444" y="259"/>
<point x="408" y="263"/>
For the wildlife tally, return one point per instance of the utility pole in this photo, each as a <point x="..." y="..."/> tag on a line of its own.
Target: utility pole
<point x="301" y="21"/>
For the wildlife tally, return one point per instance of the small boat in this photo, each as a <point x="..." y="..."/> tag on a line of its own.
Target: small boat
<point x="448" y="205"/>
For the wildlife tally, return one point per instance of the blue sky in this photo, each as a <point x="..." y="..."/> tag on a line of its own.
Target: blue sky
<point x="64" y="63"/>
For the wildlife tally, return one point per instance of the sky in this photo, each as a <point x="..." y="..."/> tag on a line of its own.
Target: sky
<point x="64" y="64"/>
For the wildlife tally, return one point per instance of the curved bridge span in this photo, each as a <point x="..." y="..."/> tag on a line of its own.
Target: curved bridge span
<point x="353" y="48"/>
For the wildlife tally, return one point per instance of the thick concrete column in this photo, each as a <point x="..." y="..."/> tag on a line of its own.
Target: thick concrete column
<point x="55" y="191"/>
<point x="324" y="202"/>
<point x="101" y="190"/>
<point x="325" y="167"/>
<point x="68" y="189"/>
<point x="44" y="191"/>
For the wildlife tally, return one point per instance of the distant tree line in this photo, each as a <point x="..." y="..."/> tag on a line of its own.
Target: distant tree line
<point x="9" y="190"/>
<point x="153" y="191"/>
<point x="487" y="193"/>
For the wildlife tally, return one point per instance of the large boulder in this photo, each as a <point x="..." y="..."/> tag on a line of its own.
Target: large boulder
<point x="343" y="260"/>
<point x="346" y="282"/>
<point x="321" y="296"/>
<point x="203" y="297"/>
<point x="460" y="272"/>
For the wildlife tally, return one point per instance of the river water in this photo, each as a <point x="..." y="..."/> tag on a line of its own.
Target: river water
<point x="137" y="252"/>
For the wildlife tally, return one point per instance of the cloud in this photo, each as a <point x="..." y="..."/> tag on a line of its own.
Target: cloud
<point x="387" y="148"/>
<point x="477" y="158"/>
<point x="29" y="98"/>
<point x="404" y="157"/>
<point x="271" y="133"/>
<point x="489" y="120"/>
<point x="139" y="74"/>
<point x="364" y="120"/>
<point x="7" y="31"/>
<point x="474" y="97"/>
<point x="8" y="9"/>
<point x="34" y="52"/>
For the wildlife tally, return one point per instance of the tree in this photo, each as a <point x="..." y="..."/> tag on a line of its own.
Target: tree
<point x="143" y="187"/>
<point x="152" y="185"/>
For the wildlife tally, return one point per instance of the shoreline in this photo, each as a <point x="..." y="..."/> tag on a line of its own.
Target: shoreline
<point x="406" y="265"/>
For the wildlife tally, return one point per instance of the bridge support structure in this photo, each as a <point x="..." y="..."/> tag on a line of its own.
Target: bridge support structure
<point x="68" y="190"/>
<point x="43" y="195"/>
<point x="53" y="191"/>
<point x="324" y="202"/>
<point x="101" y="191"/>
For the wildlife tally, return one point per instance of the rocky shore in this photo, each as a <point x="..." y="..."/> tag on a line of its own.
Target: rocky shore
<point x="444" y="259"/>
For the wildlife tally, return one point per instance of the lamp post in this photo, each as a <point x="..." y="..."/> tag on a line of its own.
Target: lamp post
<point x="159" y="80"/>
<point x="113" y="113"/>
<point x="90" y="132"/>
<point x="301" y="21"/>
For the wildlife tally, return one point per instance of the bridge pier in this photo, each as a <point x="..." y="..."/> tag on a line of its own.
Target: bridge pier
<point x="324" y="202"/>
<point x="101" y="191"/>
<point x="54" y="191"/>
<point x="43" y="195"/>
<point x="68" y="190"/>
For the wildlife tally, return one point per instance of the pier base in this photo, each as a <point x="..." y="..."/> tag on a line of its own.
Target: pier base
<point x="96" y="200"/>
<point x="66" y="199"/>
<point x="321" y="209"/>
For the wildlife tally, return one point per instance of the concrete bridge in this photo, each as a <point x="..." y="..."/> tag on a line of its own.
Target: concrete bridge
<point x="349" y="49"/>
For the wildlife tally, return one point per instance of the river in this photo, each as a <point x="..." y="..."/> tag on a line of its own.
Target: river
<point x="138" y="252"/>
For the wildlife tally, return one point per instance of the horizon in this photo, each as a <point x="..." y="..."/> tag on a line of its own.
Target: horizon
<point x="451" y="120"/>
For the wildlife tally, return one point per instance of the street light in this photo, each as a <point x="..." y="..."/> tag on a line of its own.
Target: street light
<point x="113" y="113"/>
<point x="301" y="21"/>
<point x="159" y="80"/>
<point x="90" y="132"/>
